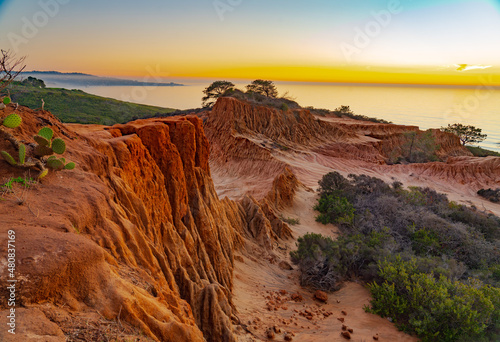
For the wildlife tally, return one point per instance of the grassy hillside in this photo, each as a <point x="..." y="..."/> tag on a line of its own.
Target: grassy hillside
<point x="76" y="106"/>
<point x="481" y="152"/>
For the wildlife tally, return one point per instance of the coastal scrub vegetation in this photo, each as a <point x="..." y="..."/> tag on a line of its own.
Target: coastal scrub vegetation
<point x="28" y="158"/>
<point x="432" y="265"/>
<point x="77" y="106"/>
<point x="346" y="112"/>
<point x="481" y="152"/>
<point x="416" y="147"/>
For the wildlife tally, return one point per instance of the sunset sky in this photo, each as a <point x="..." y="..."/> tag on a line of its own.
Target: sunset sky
<point x="416" y="42"/>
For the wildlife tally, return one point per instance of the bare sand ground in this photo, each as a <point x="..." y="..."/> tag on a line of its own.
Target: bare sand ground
<point x="258" y="283"/>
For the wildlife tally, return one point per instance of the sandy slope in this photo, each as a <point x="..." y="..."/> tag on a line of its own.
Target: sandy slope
<point x="256" y="279"/>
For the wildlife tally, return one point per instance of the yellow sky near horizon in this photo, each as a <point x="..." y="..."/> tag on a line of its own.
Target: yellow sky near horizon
<point x="348" y="74"/>
<point x="360" y="41"/>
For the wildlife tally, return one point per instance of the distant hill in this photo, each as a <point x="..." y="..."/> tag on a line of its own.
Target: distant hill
<point x="76" y="106"/>
<point x="76" y="79"/>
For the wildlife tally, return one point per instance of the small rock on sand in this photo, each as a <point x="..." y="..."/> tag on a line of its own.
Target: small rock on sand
<point x="321" y="296"/>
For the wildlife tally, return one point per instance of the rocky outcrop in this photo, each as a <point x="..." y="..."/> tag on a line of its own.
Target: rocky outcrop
<point x="476" y="173"/>
<point x="283" y="190"/>
<point x="253" y="145"/>
<point x="136" y="233"/>
<point x="246" y="140"/>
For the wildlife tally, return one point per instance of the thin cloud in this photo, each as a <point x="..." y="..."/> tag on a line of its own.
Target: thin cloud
<point x="467" y="67"/>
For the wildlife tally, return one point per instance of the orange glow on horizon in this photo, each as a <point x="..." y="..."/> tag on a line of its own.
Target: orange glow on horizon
<point x="449" y="77"/>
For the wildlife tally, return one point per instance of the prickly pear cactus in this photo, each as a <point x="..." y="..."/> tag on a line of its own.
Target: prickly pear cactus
<point x="47" y="133"/>
<point x="58" y="146"/>
<point x="8" y="158"/>
<point x="55" y="164"/>
<point x="12" y="121"/>
<point x="59" y="163"/>
<point x="42" y="141"/>
<point x="6" y="100"/>
<point x="41" y="151"/>
<point x="44" y="173"/>
<point x="22" y="154"/>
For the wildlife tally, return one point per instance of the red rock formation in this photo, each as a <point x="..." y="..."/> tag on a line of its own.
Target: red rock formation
<point x="246" y="139"/>
<point x="252" y="145"/>
<point x="136" y="232"/>
<point x="283" y="191"/>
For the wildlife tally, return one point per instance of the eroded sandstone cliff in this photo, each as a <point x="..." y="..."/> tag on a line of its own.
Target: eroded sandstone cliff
<point x="136" y="233"/>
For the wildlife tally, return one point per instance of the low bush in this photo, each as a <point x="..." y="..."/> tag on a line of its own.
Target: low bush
<point x="325" y="263"/>
<point x="481" y="152"/>
<point x="490" y="194"/>
<point x="334" y="209"/>
<point x="290" y="220"/>
<point x="435" y="309"/>
<point x="434" y="265"/>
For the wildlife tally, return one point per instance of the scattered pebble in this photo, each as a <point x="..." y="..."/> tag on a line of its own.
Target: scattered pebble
<point x="346" y="335"/>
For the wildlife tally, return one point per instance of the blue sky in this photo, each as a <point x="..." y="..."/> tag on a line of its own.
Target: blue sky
<point x="211" y="37"/>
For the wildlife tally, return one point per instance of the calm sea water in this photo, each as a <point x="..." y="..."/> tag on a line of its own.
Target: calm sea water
<point x="426" y="107"/>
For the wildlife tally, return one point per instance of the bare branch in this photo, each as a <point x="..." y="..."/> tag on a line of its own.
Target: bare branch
<point x="10" y="67"/>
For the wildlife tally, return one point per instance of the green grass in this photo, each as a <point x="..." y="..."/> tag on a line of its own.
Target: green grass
<point x="76" y="106"/>
<point x="26" y="182"/>
<point x="290" y="220"/>
<point x="481" y="152"/>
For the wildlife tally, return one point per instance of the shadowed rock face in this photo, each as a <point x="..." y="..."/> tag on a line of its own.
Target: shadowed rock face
<point x="136" y="232"/>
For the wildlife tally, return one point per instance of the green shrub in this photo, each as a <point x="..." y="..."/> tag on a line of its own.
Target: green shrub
<point x="425" y="242"/>
<point x="334" y="209"/>
<point x="442" y="285"/>
<point x="332" y="183"/>
<point x="325" y="262"/>
<point x="433" y="309"/>
<point x="290" y="220"/>
<point x="481" y="152"/>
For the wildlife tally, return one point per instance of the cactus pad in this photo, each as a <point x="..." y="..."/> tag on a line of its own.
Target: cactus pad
<point x="41" y="151"/>
<point x="22" y="154"/>
<point x="43" y="173"/>
<point x="12" y="121"/>
<point x="8" y="158"/>
<point x="58" y="146"/>
<point x="6" y="100"/>
<point x="41" y="140"/>
<point x="47" y="133"/>
<point x="55" y="164"/>
<point x="70" y="166"/>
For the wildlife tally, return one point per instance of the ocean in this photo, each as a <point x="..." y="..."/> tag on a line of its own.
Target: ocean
<point x="426" y="107"/>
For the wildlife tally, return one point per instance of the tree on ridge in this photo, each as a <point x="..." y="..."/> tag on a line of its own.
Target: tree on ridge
<point x="263" y="87"/>
<point x="214" y="91"/>
<point x="468" y="134"/>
